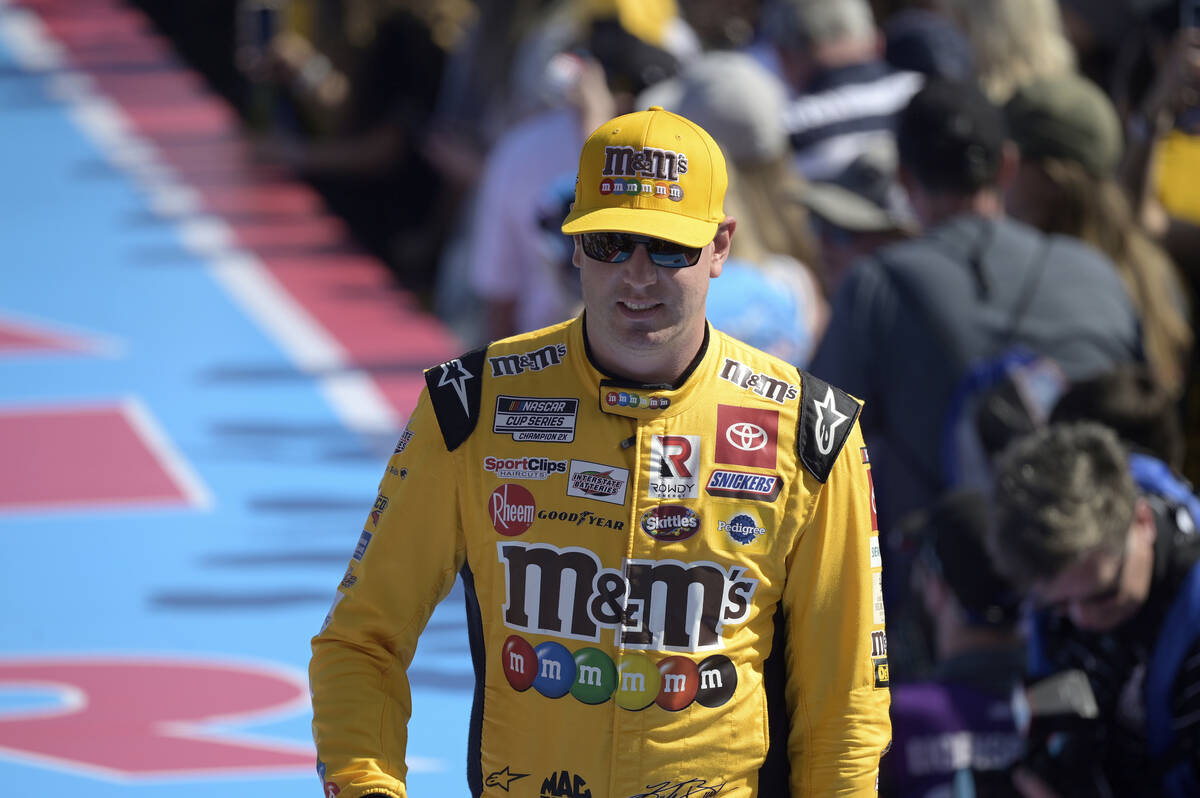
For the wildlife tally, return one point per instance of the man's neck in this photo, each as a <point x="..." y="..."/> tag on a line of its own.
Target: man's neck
<point x="942" y="206"/>
<point x="650" y="368"/>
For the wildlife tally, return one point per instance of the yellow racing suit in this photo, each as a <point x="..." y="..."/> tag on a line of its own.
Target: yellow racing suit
<point x="672" y="590"/>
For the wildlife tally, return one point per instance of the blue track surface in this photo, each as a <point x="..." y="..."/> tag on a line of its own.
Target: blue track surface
<point x="237" y="572"/>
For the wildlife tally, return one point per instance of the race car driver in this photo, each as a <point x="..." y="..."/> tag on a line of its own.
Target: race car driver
<point x="666" y="537"/>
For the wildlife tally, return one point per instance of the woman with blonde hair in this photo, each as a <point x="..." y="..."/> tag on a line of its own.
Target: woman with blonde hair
<point x="1070" y="143"/>
<point x="1015" y="42"/>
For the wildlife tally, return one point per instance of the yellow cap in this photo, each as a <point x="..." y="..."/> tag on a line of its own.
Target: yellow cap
<point x="653" y="173"/>
<point x="646" y="19"/>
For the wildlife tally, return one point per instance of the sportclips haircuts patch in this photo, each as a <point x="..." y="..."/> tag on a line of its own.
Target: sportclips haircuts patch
<point x="532" y="418"/>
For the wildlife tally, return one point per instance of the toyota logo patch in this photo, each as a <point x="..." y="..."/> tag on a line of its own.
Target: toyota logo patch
<point x="746" y="436"/>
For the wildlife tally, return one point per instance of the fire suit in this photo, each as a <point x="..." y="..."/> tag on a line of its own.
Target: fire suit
<point x="671" y="590"/>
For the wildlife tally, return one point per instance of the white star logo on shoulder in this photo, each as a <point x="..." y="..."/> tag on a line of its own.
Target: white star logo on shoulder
<point x="828" y="419"/>
<point x="454" y="375"/>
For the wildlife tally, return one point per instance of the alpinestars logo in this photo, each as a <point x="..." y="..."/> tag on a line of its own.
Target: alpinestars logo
<point x="454" y="375"/>
<point x="828" y="419"/>
<point x="503" y="778"/>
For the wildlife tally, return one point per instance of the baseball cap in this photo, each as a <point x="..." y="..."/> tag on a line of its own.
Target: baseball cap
<point x="740" y="102"/>
<point x="926" y="41"/>
<point x="653" y="173"/>
<point x="951" y="137"/>
<point x="1067" y="117"/>
<point x="865" y="196"/>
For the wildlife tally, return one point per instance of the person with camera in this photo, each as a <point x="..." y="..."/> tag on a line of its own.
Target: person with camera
<point x="1116" y="590"/>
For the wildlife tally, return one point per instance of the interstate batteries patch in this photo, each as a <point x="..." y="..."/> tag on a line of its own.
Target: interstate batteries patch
<point x="536" y="418"/>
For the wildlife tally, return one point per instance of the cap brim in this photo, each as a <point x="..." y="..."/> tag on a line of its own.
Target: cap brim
<point x="846" y="209"/>
<point x="642" y="221"/>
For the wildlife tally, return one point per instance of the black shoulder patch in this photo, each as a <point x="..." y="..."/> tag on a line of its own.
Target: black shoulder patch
<point x="455" y="388"/>
<point x="826" y="417"/>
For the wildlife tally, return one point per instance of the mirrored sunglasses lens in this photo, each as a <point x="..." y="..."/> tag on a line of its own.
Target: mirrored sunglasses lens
<point x="607" y="247"/>
<point x="672" y="255"/>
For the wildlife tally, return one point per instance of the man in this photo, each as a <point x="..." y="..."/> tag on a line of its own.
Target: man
<point x="859" y="211"/>
<point x="958" y="724"/>
<point x="666" y="537"/>
<point x="514" y="267"/>
<point x="845" y="96"/>
<point x="1118" y="592"/>
<point x="911" y="323"/>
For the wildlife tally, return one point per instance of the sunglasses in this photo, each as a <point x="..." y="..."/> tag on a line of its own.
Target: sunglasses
<point x="619" y="247"/>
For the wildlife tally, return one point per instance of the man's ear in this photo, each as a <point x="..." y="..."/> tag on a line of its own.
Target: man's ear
<point x="577" y="253"/>
<point x="1143" y="521"/>
<point x="721" y="246"/>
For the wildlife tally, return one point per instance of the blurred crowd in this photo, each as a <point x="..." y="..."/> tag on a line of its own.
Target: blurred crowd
<point x="982" y="217"/>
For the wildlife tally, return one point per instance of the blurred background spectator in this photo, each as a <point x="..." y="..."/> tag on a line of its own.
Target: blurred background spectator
<point x="845" y="96"/>
<point x="958" y="725"/>
<point x="513" y="260"/>
<point x="1069" y="139"/>
<point x="344" y="93"/>
<point x="940" y="334"/>
<point x="861" y="209"/>
<point x="1115" y="589"/>
<point x="1014" y="42"/>
<point x="769" y="293"/>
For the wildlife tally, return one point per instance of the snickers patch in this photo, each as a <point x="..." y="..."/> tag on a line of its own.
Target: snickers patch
<point x="743" y="485"/>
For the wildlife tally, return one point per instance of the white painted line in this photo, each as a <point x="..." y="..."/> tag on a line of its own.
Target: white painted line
<point x="354" y="396"/>
<point x="169" y="458"/>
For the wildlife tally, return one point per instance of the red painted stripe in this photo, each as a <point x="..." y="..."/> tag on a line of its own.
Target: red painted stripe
<point x="272" y="214"/>
<point x="58" y="458"/>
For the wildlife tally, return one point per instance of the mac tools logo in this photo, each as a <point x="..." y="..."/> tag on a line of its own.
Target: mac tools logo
<point x="746" y="436"/>
<point x="674" y="467"/>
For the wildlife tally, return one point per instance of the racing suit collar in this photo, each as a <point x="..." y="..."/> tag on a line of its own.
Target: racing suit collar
<point x="624" y="397"/>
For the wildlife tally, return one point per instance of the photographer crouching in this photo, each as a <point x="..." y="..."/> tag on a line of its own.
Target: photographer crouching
<point x="1115" y="590"/>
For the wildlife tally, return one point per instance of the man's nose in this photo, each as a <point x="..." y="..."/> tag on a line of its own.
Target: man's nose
<point x="639" y="270"/>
